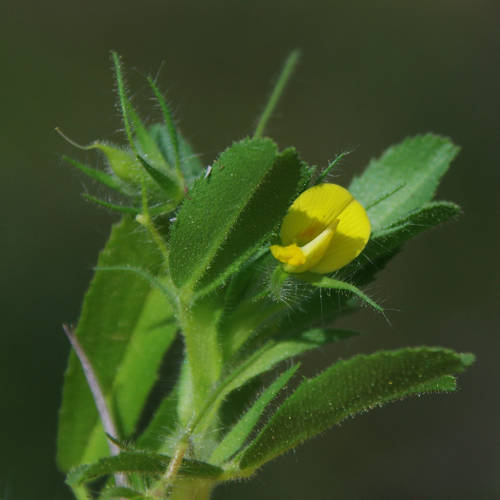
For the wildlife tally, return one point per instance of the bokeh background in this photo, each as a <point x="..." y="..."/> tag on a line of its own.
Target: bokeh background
<point x="371" y="74"/>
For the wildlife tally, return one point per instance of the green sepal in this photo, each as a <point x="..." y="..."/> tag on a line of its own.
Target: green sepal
<point x="139" y="138"/>
<point x="320" y="281"/>
<point x="331" y="166"/>
<point x="237" y="436"/>
<point x="416" y="164"/>
<point x="348" y="388"/>
<point x="123" y="164"/>
<point x="170" y="186"/>
<point x="139" y="462"/>
<point x="169" y="124"/>
<point x="97" y="175"/>
<point x="110" y="206"/>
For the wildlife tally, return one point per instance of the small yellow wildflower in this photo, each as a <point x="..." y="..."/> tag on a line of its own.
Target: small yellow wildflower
<point x="324" y="229"/>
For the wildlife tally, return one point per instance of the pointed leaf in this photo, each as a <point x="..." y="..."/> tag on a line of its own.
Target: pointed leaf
<point x="350" y="387"/>
<point x="237" y="436"/>
<point x="417" y="164"/>
<point x="123" y="330"/>
<point x="139" y="462"/>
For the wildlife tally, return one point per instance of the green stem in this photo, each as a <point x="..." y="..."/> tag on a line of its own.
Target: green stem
<point x="202" y="351"/>
<point x="161" y="490"/>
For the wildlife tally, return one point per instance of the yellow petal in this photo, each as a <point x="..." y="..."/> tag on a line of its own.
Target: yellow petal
<point x="351" y="236"/>
<point x="312" y="212"/>
<point x="291" y="254"/>
<point x="299" y="259"/>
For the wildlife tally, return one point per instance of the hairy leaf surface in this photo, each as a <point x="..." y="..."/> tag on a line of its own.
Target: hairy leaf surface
<point x="404" y="178"/>
<point x="231" y="211"/>
<point x="124" y="328"/>
<point x="349" y="387"/>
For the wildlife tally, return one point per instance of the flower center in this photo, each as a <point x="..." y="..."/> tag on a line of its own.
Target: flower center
<point x="298" y="259"/>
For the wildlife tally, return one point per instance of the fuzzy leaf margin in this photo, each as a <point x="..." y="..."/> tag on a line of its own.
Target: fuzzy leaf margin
<point x="348" y="388"/>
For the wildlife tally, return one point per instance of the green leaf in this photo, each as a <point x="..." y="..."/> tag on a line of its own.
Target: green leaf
<point x="286" y="347"/>
<point x="416" y="164"/>
<point x="350" y="387"/>
<point x="98" y="175"/>
<point x="232" y="211"/>
<point x="139" y="462"/>
<point x="125" y="327"/>
<point x="214" y="207"/>
<point x="429" y="215"/>
<point x="261" y="216"/>
<point x="237" y="436"/>
<point x="320" y="281"/>
<point x="385" y="243"/>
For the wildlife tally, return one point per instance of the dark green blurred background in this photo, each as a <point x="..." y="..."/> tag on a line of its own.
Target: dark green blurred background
<point x="371" y="74"/>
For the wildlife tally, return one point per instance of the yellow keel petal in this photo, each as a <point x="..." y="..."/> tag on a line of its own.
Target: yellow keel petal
<point x="314" y="251"/>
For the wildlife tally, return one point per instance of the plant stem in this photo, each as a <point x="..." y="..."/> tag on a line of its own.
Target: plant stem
<point x="161" y="490"/>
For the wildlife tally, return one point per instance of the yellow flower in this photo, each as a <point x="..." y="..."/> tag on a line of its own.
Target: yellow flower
<point x="324" y="229"/>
